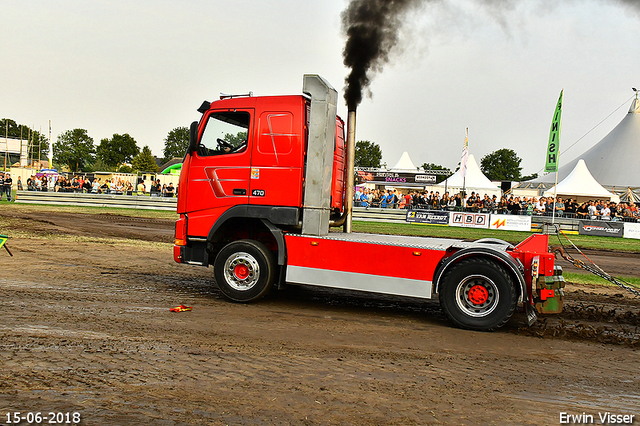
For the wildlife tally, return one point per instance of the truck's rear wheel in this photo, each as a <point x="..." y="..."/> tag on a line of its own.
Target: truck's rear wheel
<point x="478" y="294"/>
<point x="244" y="270"/>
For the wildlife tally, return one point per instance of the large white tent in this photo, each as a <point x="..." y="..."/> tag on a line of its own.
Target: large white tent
<point x="404" y="164"/>
<point x="581" y="185"/>
<point x="614" y="160"/>
<point x="474" y="181"/>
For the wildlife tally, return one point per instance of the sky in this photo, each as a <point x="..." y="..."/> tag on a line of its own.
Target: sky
<point x="494" y="67"/>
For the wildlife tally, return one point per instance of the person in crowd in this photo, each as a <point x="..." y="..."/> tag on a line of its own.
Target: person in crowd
<point x="75" y="184"/>
<point x="163" y="190"/>
<point x="605" y="212"/>
<point x="444" y="201"/>
<point x="408" y="200"/>
<point x="560" y="207"/>
<point x="19" y="184"/>
<point x="540" y="207"/>
<point x="593" y="210"/>
<point x="383" y="200"/>
<point x="615" y="211"/>
<point x="8" y="183"/>
<point x="363" y="198"/>
<point x="170" y="190"/>
<point x="514" y="205"/>
<point x="356" y="197"/>
<point x="582" y="212"/>
<point x="141" y="188"/>
<point x="391" y="199"/>
<point x="155" y="189"/>
<point x="44" y="183"/>
<point x="570" y="208"/>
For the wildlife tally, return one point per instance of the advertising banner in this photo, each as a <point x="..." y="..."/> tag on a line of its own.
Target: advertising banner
<point x="394" y="178"/>
<point x="470" y="220"/>
<point x="434" y="217"/>
<point x="632" y="230"/>
<point x="601" y="228"/>
<point x="510" y="222"/>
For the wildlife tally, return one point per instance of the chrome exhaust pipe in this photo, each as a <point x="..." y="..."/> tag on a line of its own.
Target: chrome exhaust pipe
<point x="351" y="156"/>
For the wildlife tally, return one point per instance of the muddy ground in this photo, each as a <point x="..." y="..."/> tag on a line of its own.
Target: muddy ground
<point x="86" y="327"/>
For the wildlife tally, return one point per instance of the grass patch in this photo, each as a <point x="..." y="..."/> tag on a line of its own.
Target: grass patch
<point x="578" y="278"/>
<point x="514" y="237"/>
<point x="35" y="208"/>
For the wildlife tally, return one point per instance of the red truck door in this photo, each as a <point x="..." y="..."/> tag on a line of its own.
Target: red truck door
<point x="220" y="168"/>
<point x="278" y="153"/>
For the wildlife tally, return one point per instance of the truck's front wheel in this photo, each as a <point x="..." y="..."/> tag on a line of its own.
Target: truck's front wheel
<point x="244" y="270"/>
<point x="478" y="294"/>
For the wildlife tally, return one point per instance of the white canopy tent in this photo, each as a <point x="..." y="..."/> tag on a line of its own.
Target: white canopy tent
<point x="475" y="181"/>
<point x="614" y="160"/>
<point x="404" y="164"/>
<point x="581" y="185"/>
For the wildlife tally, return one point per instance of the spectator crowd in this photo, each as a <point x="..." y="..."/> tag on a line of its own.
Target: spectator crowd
<point x="507" y="204"/>
<point x="95" y="185"/>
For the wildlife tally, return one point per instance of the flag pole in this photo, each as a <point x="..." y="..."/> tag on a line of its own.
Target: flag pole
<point x="553" y="151"/>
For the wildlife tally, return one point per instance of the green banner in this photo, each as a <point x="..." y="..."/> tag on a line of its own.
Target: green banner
<point x="553" y="149"/>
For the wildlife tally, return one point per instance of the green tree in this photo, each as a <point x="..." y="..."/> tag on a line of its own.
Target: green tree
<point x="432" y="166"/>
<point x="117" y="150"/>
<point x="37" y="142"/>
<point x="74" y="148"/>
<point x="176" y="143"/>
<point x="368" y="154"/>
<point x="145" y="162"/>
<point x="503" y="164"/>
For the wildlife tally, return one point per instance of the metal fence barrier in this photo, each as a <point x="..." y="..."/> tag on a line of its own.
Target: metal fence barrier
<point x="373" y="214"/>
<point x="96" y="200"/>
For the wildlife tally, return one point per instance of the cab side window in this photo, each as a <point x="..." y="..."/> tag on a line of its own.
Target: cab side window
<point x="225" y="133"/>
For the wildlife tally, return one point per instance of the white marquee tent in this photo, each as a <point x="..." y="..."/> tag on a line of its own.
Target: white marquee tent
<point x="581" y="185"/>
<point x="475" y="181"/>
<point x="404" y="164"/>
<point x="614" y="160"/>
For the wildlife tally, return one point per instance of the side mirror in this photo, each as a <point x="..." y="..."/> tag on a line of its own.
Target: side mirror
<point x="193" y="137"/>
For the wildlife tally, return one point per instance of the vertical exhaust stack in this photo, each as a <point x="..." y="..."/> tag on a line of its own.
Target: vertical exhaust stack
<point x="351" y="156"/>
<point x="321" y="143"/>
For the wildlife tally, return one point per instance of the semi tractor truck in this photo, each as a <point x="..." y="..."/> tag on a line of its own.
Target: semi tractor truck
<point x="265" y="197"/>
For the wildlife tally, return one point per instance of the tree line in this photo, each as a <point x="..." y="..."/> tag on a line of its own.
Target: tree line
<point x="76" y="150"/>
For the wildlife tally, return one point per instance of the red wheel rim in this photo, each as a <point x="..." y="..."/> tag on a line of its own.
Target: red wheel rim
<point x="241" y="271"/>
<point x="478" y="295"/>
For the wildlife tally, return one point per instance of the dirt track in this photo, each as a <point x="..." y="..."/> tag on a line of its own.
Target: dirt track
<point x="86" y="327"/>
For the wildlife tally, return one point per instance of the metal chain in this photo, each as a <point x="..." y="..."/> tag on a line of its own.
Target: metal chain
<point x="593" y="268"/>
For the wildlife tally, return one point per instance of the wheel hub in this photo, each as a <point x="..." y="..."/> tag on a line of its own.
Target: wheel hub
<point x="477" y="296"/>
<point x="241" y="271"/>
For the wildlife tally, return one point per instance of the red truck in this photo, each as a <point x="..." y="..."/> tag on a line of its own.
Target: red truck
<point x="265" y="177"/>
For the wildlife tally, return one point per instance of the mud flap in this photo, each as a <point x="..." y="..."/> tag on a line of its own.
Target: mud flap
<point x="532" y="316"/>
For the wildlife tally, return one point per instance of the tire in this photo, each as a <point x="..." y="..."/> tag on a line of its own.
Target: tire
<point x="244" y="270"/>
<point x="478" y="294"/>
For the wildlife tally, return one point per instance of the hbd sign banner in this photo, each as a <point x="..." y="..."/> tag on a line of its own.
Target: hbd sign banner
<point x="469" y="220"/>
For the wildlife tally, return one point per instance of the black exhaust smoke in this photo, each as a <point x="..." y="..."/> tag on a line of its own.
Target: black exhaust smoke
<point x="371" y="27"/>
